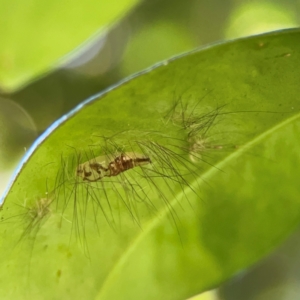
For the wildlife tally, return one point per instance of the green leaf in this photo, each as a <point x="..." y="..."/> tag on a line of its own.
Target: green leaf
<point x="221" y="127"/>
<point x="34" y="37"/>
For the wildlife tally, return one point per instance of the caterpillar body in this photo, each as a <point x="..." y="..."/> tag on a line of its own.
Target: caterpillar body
<point x="107" y="166"/>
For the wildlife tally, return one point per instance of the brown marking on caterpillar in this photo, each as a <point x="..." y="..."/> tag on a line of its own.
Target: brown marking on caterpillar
<point x="107" y="166"/>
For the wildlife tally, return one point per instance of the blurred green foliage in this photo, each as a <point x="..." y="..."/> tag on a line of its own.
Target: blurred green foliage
<point x="35" y="35"/>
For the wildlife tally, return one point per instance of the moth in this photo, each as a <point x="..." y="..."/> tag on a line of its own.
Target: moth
<point x="110" y="165"/>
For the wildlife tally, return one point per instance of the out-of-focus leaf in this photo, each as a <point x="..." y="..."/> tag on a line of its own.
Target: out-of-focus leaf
<point x="155" y="42"/>
<point x="35" y="35"/>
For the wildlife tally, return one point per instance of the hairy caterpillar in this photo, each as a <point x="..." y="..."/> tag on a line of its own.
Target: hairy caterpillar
<point x="104" y="166"/>
<point x="139" y="172"/>
<point x="135" y="173"/>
